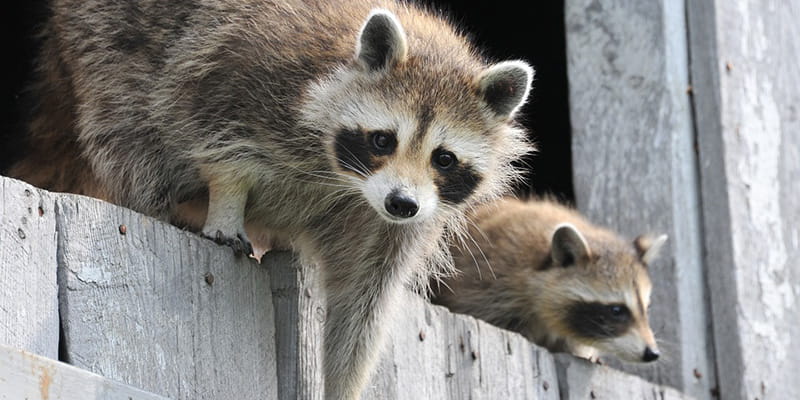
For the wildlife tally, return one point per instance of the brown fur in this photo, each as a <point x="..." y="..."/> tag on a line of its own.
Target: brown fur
<point x="508" y="276"/>
<point x="225" y="116"/>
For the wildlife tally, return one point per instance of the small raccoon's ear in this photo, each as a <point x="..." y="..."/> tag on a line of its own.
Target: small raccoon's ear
<point x="382" y="41"/>
<point x="505" y="86"/>
<point x="649" y="246"/>
<point x="568" y="246"/>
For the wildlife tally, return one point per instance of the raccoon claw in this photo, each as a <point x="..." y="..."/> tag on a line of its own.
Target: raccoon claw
<point x="239" y="243"/>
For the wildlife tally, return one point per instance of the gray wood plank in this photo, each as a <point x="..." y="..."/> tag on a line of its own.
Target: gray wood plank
<point x="581" y="380"/>
<point x="634" y="165"/>
<point x="162" y="309"/>
<point x="745" y="67"/>
<point x="26" y="376"/>
<point x="434" y="354"/>
<point x="28" y="289"/>
<point x="299" y="303"/>
<point x="430" y="353"/>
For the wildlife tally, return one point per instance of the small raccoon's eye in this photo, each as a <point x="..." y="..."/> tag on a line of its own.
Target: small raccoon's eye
<point x="617" y="311"/>
<point x="444" y="159"/>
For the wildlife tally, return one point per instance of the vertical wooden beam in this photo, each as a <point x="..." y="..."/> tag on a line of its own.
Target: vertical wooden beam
<point x="161" y="309"/>
<point x="635" y="167"/>
<point x="745" y="64"/>
<point x="299" y="303"/>
<point x="28" y="290"/>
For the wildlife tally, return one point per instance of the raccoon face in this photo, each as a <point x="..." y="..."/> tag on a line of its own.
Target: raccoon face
<point x="413" y="138"/>
<point x="606" y="307"/>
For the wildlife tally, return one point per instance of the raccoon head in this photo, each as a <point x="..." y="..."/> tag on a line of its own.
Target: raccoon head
<point x="604" y="294"/>
<point x="415" y="123"/>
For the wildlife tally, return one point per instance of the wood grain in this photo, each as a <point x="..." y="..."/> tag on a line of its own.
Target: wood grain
<point x="28" y="290"/>
<point x="745" y="65"/>
<point x="580" y="380"/>
<point x="26" y="376"/>
<point x="635" y="167"/>
<point x="299" y="303"/>
<point x="162" y="309"/>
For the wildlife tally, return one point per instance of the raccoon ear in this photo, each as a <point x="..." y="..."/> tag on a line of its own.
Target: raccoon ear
<point x="382" y="41"/>
<point x="505" y="86"/>
<point x="649" y="246"/>
<point x="568" y="246"/>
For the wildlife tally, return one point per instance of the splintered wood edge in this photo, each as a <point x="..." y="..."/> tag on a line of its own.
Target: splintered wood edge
<point x="27" y="376"/>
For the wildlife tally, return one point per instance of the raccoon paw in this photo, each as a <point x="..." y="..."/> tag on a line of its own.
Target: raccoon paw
<point x="238" y="242"/>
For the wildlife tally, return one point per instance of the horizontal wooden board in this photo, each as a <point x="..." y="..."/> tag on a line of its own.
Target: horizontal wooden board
<point x="158" y="308"/>
<point x="26" y="376"/>
<point x="580" y="379"/>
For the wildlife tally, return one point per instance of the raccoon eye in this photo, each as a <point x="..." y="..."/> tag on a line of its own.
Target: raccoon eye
<point x="618" y="311"/>
<point x="444" y="159"/>
<point x="383" y="142"/>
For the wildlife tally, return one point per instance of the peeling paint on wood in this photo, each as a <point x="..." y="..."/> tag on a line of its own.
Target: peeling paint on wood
<point x="748" y="124"/>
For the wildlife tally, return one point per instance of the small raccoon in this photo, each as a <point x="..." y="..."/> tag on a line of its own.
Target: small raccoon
<point x="358" y="131"/>
<point x="540" y="269"/>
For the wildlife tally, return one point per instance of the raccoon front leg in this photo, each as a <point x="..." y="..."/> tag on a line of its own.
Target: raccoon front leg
<point x="226" y="210"/>
<point x="584" y="351"/>
<point x="359" y="309"/>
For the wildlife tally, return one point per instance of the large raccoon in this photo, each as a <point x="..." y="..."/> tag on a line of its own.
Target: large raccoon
<point x="358" y="131"/>
<point x="539" y="268"/>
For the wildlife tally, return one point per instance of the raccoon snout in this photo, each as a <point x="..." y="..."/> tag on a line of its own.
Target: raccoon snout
<point x="401" y="205"/>
<point x="650" y="354"/>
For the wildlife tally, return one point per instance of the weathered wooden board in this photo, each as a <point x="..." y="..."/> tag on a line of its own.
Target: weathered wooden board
<point x="579" y="380"/>
<point x="429" y="354"/>
<point x="434" y="354"/>
<point x="745" y="68"/>
<point x="162" y="309"/>
<point x="299" y="303"/>
<point x="26" y="376"/>
<point x="28" y="289"/>
<point x="635" y="167"/>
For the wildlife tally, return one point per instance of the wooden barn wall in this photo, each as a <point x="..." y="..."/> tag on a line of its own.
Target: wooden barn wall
<point x="745" y="66"/>
<point x="685" y="119"/>
<point x="144" y="304"/>
<point x="635" y="167"/>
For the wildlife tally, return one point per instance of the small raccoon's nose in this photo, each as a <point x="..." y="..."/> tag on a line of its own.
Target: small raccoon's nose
<point x="401" y="205"/>
<point x="650" y="354"/>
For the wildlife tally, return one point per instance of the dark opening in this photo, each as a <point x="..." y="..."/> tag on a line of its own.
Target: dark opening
<point x="533" y="31"/>
<point x="20" y="22"/>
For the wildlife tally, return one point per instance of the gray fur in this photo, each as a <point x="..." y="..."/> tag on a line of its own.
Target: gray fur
<point x="234" y="105"/>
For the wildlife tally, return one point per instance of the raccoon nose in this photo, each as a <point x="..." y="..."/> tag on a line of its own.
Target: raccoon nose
<point x="401" y="205"/>
<point x="650" y="354"/>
